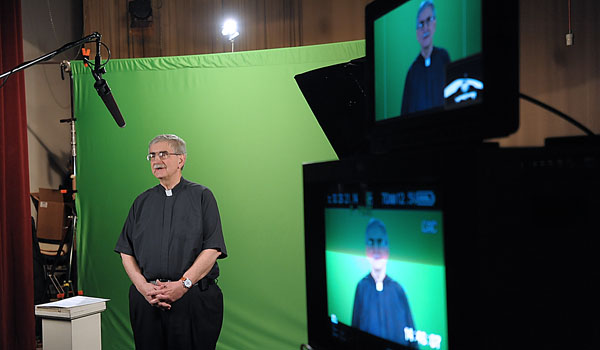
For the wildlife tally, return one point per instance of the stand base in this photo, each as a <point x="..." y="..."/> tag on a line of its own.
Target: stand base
<point x="78" y="334"/>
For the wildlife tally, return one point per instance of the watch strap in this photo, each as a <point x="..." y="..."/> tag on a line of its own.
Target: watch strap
<point x="187" y="283"/>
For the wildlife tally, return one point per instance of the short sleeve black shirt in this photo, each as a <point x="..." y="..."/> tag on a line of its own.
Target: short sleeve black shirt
<point x="424" y="86"/>
<point x="165" y="233"/>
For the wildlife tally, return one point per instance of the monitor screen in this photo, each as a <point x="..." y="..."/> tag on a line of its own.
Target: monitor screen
<point x="441" y="70"/>
<point x="385" y="265"/>
<point x="417" y="47"/>
<point x="375" y="254"/>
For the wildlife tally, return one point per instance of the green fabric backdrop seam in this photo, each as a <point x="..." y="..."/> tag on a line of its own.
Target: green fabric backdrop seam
<point x="256" y="58"/>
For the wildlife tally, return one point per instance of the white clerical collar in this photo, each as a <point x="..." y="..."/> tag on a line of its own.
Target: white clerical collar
<point x="169" y="193"/>
<point x="428" y="61"/>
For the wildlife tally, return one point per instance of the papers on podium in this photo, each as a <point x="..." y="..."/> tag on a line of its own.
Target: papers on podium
<point x="71" y="308"/>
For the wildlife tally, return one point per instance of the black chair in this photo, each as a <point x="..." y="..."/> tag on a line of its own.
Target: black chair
<point x="56" y="255"/>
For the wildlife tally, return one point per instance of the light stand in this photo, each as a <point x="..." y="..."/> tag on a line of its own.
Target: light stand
<point x="65" y="66"/>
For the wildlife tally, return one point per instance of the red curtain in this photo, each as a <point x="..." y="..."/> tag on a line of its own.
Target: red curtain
<point x="17" y="322"/>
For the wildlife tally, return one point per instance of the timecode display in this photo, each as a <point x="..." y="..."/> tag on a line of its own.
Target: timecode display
<point x="384" y="199"/>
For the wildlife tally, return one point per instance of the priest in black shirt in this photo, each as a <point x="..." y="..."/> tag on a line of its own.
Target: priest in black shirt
<point x="169" y="246"/>
<point x="425" y="80"/>
<point x="380" y="303"/>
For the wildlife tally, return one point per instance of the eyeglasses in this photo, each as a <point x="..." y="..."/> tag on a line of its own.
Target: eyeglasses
<point x="162" y="155"/>
<point x="427" y="21"/>
<point x="376" y="243"/>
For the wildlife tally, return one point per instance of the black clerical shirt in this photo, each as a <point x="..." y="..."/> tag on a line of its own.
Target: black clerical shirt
<point x="166" y="233"/>
<point x="424" y="85"/>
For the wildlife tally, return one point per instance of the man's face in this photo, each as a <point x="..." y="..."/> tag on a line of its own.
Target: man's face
<point x="426" y="28"/>
<point x="167" y="168"/>
<point x="377" y="249"/>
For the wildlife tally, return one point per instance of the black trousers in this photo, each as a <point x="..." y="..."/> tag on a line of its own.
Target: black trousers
<point x="193" y="322"/>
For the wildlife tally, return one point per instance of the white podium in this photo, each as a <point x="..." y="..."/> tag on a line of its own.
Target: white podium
<point x="72" y="323"/>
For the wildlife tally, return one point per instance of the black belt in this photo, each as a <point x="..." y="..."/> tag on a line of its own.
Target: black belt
<point x="203" y="283"/>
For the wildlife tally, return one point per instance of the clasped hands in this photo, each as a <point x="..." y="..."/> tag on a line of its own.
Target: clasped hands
<point x="163" y="294"/>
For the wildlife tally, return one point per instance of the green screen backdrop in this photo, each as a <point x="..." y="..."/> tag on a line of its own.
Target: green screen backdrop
<point x="248" y="130"/>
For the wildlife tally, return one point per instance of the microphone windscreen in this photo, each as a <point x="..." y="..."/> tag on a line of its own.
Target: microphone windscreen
<point x="108" y="99"/>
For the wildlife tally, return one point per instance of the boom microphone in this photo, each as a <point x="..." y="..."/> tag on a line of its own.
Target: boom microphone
<point x="108" y="99"/>
<point x="102" y="87"/>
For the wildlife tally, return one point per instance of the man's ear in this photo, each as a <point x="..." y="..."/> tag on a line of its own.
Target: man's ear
<point x="182" y="161"/>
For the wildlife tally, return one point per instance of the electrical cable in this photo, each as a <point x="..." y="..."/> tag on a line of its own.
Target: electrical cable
<point x="4" y="80"/>
<point x="107" y="58"/>
<point x="557" y="112"/>
<point x="569" y="11"/>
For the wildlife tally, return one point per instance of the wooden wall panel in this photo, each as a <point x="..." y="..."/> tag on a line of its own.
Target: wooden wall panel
<point x="187" y="27"/>
<point x="329" y="21"/>
<point x="567" y="78"/>
<point x="184" y="27"/>
<point x="109" y="18"/>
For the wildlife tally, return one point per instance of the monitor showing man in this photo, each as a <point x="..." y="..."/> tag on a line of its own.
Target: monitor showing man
<point x="425" y="80"/>
<point x="380" y="303"/>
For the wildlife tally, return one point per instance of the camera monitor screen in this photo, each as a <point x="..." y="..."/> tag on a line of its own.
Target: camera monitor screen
<point x="384" y="261"/>
<point x="417" y="46"/>
<point x="443" y="66"/>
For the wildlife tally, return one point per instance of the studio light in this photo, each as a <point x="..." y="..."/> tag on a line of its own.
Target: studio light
<point x="230" y="30"/>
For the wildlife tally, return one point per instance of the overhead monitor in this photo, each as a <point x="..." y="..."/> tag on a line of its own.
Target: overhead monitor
<point x="441" y="71"/>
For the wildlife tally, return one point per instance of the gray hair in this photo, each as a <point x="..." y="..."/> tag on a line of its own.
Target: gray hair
<point x="424" y="4"/>
<point x="176" y="142"/>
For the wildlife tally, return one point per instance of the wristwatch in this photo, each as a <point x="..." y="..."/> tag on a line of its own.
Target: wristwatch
<point x="187" y="283"/>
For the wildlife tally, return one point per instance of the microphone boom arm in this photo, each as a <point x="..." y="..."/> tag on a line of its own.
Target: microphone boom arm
<point x="97" y="70"/>
<point x="92" y="37"/>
